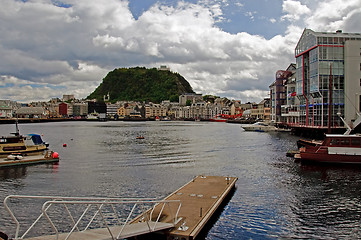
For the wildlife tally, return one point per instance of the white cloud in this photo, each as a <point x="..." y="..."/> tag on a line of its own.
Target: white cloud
<point x="336" y="14"/>
<point x="294" y="10"/>
<point x="51" y="51"/>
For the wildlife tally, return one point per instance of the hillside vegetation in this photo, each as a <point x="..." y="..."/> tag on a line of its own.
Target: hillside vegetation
<point x="141" y="84"/>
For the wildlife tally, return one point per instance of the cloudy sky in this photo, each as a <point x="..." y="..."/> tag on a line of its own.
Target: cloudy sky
<point x="229" y="48"/>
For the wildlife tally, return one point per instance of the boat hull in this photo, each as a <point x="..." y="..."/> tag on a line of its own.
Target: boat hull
<point x="330" y="158"/>
<point x="27" y="150"/>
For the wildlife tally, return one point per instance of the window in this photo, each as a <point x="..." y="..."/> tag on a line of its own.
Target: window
<point x="355" y="141"/>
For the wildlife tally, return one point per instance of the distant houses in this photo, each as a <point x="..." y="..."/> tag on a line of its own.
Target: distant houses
<point x="190" y="106"/>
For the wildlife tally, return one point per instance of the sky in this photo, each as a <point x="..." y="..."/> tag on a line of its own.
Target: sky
<point x="227" y="48"/>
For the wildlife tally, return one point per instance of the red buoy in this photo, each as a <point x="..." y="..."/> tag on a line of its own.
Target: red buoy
<point x="64" y="145"/>
<point x="55" y="155"/>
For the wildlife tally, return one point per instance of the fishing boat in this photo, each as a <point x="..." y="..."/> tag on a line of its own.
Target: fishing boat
<point x="24" y="144"/>
<point x="335" y="148"/>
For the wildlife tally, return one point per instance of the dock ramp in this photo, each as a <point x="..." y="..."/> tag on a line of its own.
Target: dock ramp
<point x="181" y="215"/>
<point x="80" y="218"/>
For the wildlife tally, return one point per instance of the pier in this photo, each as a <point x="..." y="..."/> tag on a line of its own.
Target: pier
<point x="181" y="215"/>
<point x="49" y="157"/>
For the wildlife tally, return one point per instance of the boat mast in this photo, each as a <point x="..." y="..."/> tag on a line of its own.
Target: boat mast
<point x="329" y="102"/>
<point x="17" y="132"/>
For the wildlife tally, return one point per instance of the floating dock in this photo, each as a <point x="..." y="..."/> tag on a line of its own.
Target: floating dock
<point x="200" y="199"/>
<point x="48" y="157"/>
<point x="181" y="215"/>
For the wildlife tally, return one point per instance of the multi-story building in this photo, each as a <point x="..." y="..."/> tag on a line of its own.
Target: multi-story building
<point x="68" y="97"/>
<point x="155" y="110"/>
<point x="80" y="109"/>
<point x="279" y="94"/>
<point x="112" y="109"/>
<point x="63" y="109"/>
<point x="328" y="77"/>
<point x="193" y="97"/>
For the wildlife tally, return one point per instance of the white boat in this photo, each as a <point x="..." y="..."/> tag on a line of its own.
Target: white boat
<point x="259" y="127"/>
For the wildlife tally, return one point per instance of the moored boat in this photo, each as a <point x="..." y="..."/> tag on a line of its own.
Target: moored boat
<point x="335" y="148"/>
<point x="218" y="118"/>
<point x="259" y="127"/>
<point x="24" y="144"/>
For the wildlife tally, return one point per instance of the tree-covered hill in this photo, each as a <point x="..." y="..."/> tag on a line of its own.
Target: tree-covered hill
<point x="141" y="84"/>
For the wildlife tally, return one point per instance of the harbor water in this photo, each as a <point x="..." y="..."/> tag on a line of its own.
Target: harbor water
<point x="275" y="198"/>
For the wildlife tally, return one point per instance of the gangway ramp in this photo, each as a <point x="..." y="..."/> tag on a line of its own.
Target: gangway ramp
<point x="130" y="230"/>
<point x="181" y="215"/>
<point x="96" y="218"/>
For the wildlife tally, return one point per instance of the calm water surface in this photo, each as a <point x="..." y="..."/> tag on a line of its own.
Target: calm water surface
<point x="275" y="197"/>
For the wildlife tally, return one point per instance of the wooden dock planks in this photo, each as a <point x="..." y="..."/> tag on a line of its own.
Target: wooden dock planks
<point x="200" y="199"/>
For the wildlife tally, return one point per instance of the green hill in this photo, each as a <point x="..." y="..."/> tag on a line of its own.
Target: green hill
<point x="141" y="84"/>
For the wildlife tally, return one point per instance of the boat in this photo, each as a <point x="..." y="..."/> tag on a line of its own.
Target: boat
<point x="259" y="127"/>
<point x="225" y="117"/>
<point x="335" y="148"/>
<point x="140" y="137"/>
<point x="24" y="144"/>
<point x="218" y="118"/>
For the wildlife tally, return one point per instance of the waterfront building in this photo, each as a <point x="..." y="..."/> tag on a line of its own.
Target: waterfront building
<point x="235" y="108"/>
<point x="125" y="110"/>
<point x="262" y="110"/>
<point x="80" y="109"/>
<point x="328" y="76"/>
<point x="97" y="107"/>
<point x="6" y="111"/>
<point x="112" y="109"/>
<point x="63" y="109"/>
<point x="7" y="108"/>
<point x="284" y="103"/>
<point x="155" y="110"/>
<point x="31" y="112"/>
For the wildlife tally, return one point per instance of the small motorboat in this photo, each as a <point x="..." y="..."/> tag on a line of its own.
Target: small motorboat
<point x="259" y="127"/>
<point x="140" y="137"/>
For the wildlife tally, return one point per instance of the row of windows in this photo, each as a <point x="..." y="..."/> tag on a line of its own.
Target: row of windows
<point x="335" y="40"/>
<point x="345" y="141"/>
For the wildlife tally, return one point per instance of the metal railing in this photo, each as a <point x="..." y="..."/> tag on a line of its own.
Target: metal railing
<point x="107" y="209"/>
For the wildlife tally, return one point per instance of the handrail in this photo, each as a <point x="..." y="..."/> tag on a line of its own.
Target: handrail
<point x="99" y="203"/>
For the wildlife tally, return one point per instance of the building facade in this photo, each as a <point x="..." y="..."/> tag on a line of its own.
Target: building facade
<point x="328" y="77"/>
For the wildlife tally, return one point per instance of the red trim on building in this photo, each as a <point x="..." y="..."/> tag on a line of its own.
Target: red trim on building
<point x="321" y="45"/>
<point x="306" y="51"/>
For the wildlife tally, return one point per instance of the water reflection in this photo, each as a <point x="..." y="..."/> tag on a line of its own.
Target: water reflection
<point x="12" y="173"/>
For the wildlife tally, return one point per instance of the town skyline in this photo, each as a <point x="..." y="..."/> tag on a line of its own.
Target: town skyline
<point x="224" y="48"/>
